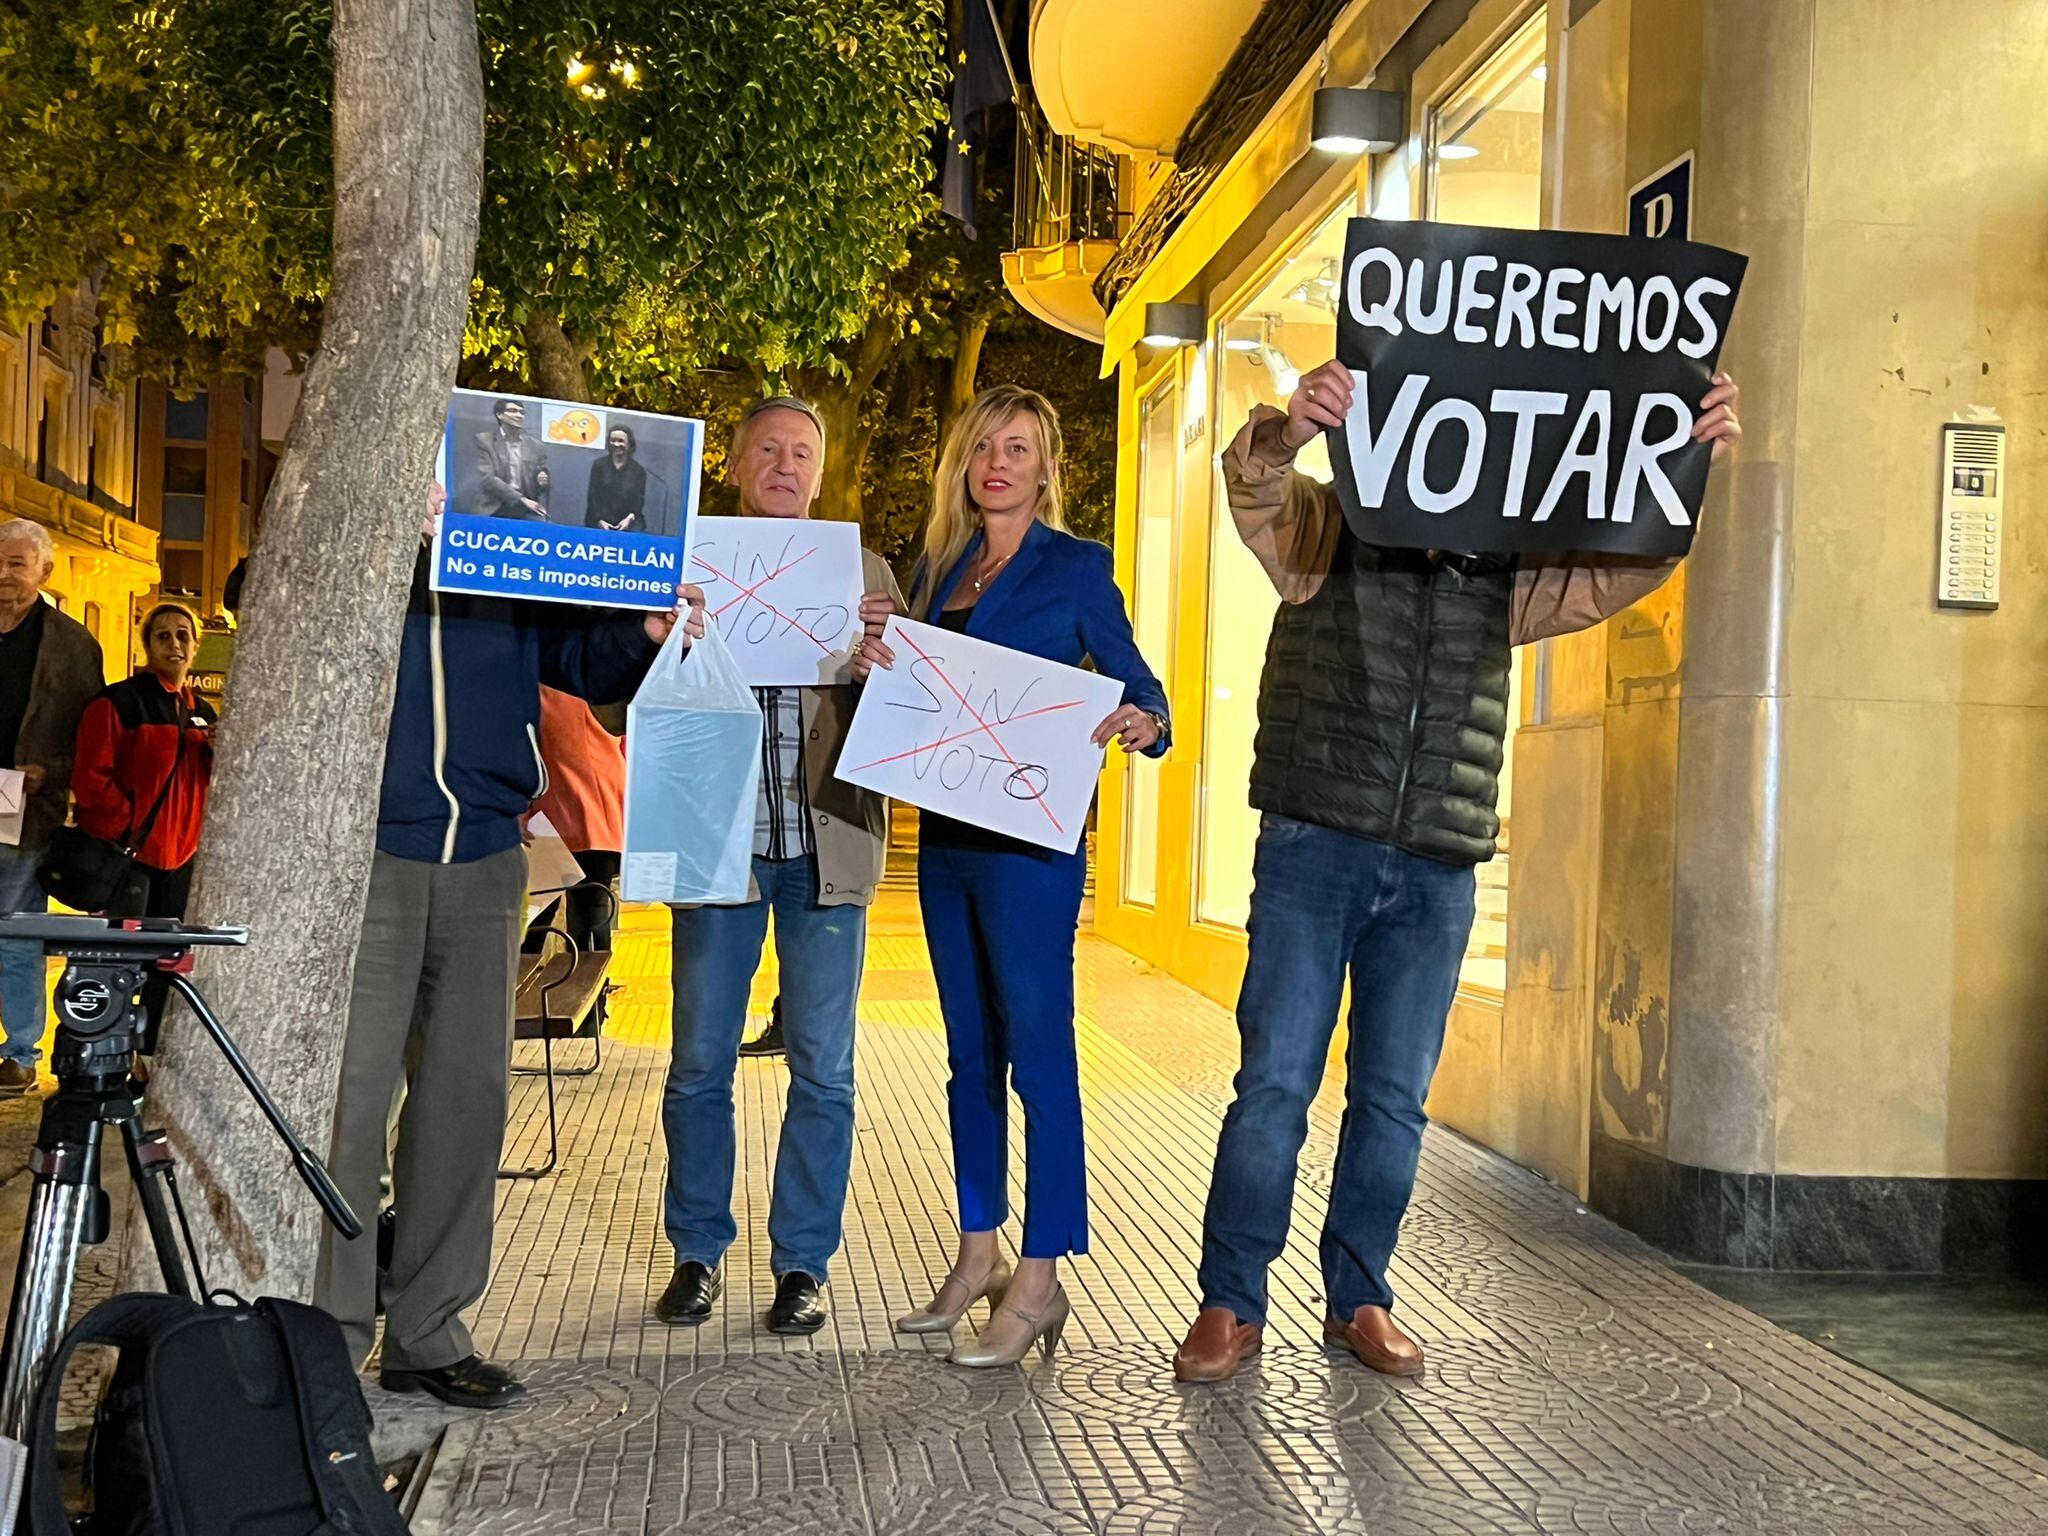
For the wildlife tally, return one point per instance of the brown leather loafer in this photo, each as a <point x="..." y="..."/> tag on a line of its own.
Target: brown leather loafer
<point x="1372" y="1336"/>
<point x="1215" y="1345"/>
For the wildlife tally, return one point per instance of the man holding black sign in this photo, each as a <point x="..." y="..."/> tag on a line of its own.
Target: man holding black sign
<point x="1488" y="395"/>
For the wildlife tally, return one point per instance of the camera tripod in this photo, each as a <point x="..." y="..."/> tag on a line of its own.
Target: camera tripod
<point x="102" y="1024"/>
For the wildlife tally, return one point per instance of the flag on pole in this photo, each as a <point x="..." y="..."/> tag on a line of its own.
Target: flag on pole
<point x="981" y="79"/>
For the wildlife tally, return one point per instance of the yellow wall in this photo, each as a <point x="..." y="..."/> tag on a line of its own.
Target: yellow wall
<point x="67" y="460"/>
<point x="103" y="562"/>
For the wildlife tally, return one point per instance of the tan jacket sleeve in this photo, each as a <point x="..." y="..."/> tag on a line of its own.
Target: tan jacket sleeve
<point x="1289" y="521"/>
<point x="876" y="576"/>
<point x="1567" y="593"/>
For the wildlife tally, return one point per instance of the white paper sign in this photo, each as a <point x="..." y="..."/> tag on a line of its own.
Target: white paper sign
<point x="786" y="591"/>
<point x="981" y="733"/>
<point x="551" y="868"/>
<point x="13" y="805"/>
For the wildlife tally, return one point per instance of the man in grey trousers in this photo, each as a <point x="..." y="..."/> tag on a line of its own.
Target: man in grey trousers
<point x="438" y="964"/>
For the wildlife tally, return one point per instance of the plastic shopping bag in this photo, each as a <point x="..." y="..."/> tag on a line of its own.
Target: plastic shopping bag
<point x="693" y="770"/>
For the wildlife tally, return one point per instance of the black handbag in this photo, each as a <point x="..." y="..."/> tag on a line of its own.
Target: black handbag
<point x="97" y="874"/>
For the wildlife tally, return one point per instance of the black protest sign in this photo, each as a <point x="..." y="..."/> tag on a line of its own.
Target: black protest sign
<point x="1527" y="390"/>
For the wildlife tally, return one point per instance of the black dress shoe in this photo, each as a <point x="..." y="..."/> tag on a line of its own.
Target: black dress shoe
<point x="691" y="1291"/>
<point x="471" y="1383"/>
<point x="799" y="1305"/>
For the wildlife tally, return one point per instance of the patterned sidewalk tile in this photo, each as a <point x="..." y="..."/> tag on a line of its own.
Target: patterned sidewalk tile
<point x="1576" y="1384"/>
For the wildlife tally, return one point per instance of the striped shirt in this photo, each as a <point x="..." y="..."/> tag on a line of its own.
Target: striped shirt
<point x="782" y="815"/>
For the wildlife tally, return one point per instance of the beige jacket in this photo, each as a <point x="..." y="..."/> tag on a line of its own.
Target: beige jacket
<point x="849" y="826"/>
<point x="1291" y="522"/>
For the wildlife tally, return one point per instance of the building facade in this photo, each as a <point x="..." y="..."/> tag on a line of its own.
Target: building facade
<point x="1754" y="972"/>
<point x="67" y="461"/>
<point x="145" y="495"/>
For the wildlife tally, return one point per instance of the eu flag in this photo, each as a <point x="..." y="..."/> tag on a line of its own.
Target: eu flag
<point x="981" y="79"/>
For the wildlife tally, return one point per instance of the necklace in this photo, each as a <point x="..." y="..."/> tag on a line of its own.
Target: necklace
<point x="989" y="575"/>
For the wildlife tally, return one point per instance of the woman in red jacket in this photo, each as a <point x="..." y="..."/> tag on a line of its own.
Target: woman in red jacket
<point x="144" y="740"/>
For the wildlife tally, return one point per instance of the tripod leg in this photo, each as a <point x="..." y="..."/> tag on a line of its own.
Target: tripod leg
<point x="152" y="1174"/>
<point x="64" y="1210"/>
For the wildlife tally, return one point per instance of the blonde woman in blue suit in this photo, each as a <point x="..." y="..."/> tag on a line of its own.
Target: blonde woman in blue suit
<point x="1000" y="915"/>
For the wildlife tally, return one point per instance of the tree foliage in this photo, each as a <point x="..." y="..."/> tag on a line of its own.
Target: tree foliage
<point x="176" y="157"/>
<point x="665" y="184"/>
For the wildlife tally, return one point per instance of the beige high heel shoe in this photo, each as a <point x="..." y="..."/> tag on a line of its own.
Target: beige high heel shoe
<point x="929" y="1319"/>
<point x="1011" y="1332"/>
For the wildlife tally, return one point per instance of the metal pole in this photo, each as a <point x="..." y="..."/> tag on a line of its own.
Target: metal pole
<point x="57" y="1218"/>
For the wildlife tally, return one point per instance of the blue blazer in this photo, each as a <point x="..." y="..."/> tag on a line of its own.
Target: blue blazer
<point x="1058" y="598"/>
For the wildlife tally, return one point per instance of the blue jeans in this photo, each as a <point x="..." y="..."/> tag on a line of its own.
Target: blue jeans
<point x="1321" y="901"/>
<point x="1000" y="925"/>
<point x="819" y="951"/>
<point x="24" y="979"/>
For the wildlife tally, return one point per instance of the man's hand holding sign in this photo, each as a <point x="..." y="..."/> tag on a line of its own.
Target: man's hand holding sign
<point x="1501" y="390"/>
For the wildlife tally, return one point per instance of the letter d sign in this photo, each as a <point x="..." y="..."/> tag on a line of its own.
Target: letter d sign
<point x="1661" y="206"/>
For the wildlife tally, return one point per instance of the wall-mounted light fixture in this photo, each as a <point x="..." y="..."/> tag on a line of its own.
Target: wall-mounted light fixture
<point x="1173" y="325"/>
<point x="1357" y="121"/>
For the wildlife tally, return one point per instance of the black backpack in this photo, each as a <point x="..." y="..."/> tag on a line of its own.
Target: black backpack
<point x="221" y="1420"/>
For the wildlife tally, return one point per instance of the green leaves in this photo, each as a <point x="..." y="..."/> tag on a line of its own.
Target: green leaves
<point x="672" y="183"/>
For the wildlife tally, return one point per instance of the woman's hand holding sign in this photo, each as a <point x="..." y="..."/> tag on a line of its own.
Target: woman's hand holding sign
<point x="1134" y="729"/>
<point x="869" y="651"/>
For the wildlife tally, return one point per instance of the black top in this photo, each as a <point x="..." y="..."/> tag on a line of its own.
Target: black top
<point x="617" y="496"/>
<point x="18" y="647"/>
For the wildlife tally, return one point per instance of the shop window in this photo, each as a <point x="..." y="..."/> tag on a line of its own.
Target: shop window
<point x="1262" y="348"/>
<point x="1484" y="165"/>
<point x="1484" y="155"/>
<point x="1152" y="619"/>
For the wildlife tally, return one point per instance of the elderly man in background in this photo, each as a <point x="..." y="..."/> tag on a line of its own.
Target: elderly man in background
<point x="50" y="670"/>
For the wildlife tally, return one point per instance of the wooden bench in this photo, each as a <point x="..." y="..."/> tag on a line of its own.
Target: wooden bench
<point x="560" y="988"/>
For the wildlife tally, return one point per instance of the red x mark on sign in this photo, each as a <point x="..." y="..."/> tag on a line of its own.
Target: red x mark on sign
<point x="981" y="728"/>
<point x="754" y="592"/>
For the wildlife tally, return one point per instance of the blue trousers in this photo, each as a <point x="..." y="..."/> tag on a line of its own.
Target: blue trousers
<point x="1000" y="924"/>
<point x="24" y="978"/>
<point x="1323" y="901"/>
<point x="819" y="951"/>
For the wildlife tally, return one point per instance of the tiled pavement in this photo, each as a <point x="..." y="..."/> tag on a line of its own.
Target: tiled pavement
<point x="1576" y="1385"/>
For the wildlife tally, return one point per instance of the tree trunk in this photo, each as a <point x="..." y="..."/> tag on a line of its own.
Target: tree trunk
<point x="554" y="363"/>
<point x="838" y="399"/>
<point x="290" y="829"/>
<point x="973" y="331"/>
<point x="839" y="489"/>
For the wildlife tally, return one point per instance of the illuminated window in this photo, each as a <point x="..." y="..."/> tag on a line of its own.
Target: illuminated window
<point x="1152" y="619"/>
<point x="1288" y="327"/>
<point x="1484" y="165"/>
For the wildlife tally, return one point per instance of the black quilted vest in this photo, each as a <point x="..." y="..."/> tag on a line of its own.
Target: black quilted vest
<point x="1384" y="705"/>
